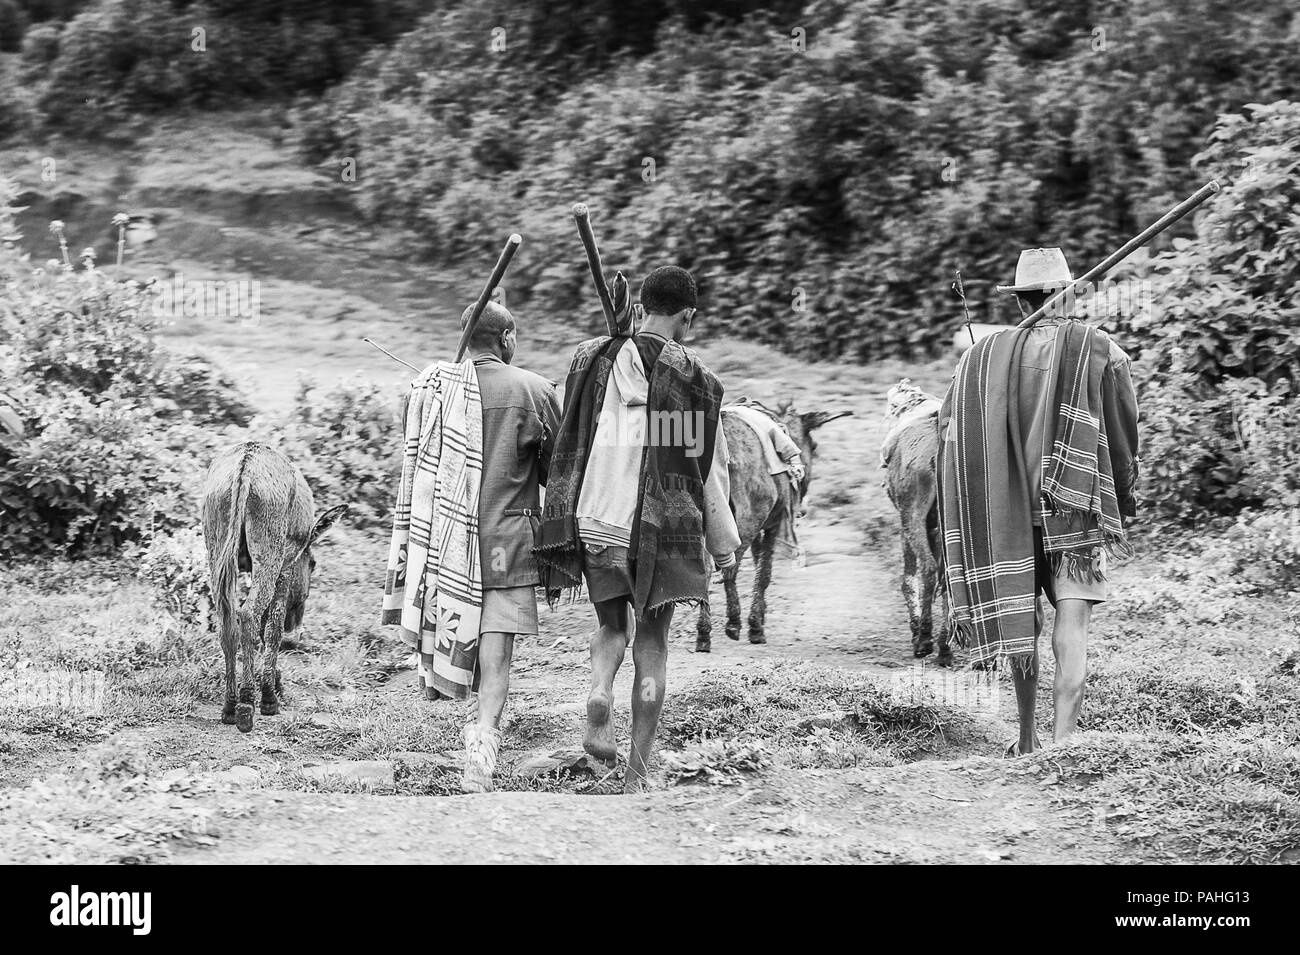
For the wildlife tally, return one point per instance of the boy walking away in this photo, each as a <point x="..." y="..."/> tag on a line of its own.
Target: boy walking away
<point x="638" y="502"/>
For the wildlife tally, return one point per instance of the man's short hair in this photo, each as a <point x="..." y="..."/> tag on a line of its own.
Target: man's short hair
<point x="667" y="290"/>
<point x="496" y="318"/>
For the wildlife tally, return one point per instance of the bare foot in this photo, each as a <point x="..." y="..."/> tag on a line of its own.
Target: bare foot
<point x="599" y="739"/>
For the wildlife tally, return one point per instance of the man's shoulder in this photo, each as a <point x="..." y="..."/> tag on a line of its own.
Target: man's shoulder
<point x="589" y="347"/>
<point x="531" y="379"/>
<point x="1117" y="354"/>
<point x="511" y="381"/>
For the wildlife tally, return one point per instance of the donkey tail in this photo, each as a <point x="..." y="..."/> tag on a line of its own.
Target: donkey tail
<point x="226" y="566"/>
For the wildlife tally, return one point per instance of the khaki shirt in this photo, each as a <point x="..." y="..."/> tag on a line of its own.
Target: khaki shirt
<point x="520" y="418"/>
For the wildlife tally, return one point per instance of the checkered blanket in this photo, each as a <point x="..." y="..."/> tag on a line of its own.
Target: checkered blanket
<point x="984" y="499"/>
<point x="984" y="507"/>
<point x="434" y="588"/>
<point x="1079" y="510"/>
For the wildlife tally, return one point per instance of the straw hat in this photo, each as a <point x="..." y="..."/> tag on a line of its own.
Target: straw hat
<point x="1040" y="270"/>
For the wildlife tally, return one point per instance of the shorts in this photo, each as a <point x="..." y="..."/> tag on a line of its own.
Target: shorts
<point x="509" y="610"/>
<point x="608" y="571"/>
<point x="1061" y="586"/>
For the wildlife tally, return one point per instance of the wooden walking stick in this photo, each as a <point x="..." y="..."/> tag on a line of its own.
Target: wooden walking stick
<point x="582" y="216"/>
<point x="400" y="361"/>
<point x="1123" y="252"/>
<point x="499" y="270"/>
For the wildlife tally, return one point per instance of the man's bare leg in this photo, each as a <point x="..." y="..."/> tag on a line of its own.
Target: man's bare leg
<point x="650" y="654"/>
<point x="608" y="645"/>
<point x="495" y="650"/>
<point x="481" y="735"/>
<point x="1070" y="645"/>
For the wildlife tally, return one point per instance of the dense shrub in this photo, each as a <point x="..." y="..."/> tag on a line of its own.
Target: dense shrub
<point x="1219" y="354"/>
<point x="106" y="432"/>
<point x="177" y="567"/>
<point x="89" y="476"/>
<point x="143" y="55"/>
<point x="825" y="197"/>
<point x="347" y="438"/>
<point x="40" y="48"/>
<point x="13" y="23"/>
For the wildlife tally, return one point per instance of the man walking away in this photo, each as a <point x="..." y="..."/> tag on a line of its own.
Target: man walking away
<point x="483" y="527"/>
<point x="1038" y="465"/>
<point x="638" y="501"/>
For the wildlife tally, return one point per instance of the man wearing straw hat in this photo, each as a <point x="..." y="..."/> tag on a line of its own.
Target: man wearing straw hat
<point x="1037" y="471"/>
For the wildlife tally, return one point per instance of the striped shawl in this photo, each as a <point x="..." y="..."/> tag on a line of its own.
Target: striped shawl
<point x="434" y="585"/>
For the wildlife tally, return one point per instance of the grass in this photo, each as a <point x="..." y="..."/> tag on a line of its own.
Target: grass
<point x="1130" y="696"/>
<point x="110" y="808"/>
<point x="1215" y="800"/>
<point x="867" y="722"/>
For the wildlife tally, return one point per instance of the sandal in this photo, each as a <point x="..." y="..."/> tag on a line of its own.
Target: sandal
<point x="1013" y="750"/>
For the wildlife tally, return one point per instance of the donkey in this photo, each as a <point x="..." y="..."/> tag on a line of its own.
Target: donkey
<point x="765" y="505"/>
<point x="259" y="516"/>
<point x="909" y="456"/>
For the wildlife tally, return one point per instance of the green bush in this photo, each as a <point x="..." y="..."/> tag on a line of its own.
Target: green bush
<point x="176" y="565"/>
<point x="824" y="198"/>
<point x="140" y="56"/>
<point x="347" y="438"/>
<point x="13" y="23"/>
<point x="106" y="432"/>
<point x="40" y="48"/>
<point x="1219" y="354"/>
<point x="89" y="478"/>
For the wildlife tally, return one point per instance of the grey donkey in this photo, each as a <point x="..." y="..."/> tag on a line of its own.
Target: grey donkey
<point x="765" y="506"/>
<point x="909" y="456"/>
<point x="259" y="516"/>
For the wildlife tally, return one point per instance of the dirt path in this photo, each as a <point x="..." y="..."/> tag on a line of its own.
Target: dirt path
<point x="953" y="812"/>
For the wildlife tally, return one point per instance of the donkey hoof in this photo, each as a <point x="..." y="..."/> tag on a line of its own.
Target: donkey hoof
<point x="270" y="709"/>
<point x="923" y="649"/>
<point x="228" y="715"/>
<point x="733" y="633"/>
<point x="756" y="636"/>
<point x="703" y="646"/>
<point x="945" y="657"/>
<point x="244" y="717"/>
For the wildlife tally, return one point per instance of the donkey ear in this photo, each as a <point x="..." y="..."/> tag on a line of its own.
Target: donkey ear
<point x="325" y="522"/>
<point x="815" y="419"/>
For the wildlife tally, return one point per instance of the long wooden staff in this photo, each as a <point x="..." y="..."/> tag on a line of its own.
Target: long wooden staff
<point x="582" y="216"/>
<point x="1123" y="252"/>
<point x="498" y="271"/>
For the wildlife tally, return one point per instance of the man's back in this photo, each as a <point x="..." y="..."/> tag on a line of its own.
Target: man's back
<point x="1034" y="402"/>
<point x="520" y="419"/>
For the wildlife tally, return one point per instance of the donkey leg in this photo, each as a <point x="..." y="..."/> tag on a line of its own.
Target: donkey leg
<point x="270" y="674"/>
<point x="925" y="582"/>
<point x="763" y="550"/>
<point x="704" y="629"/>
<point x="731" y="586"/>
<point x="917" y="562"/>
<point x="228" y="640"/>
<point x="940" y="587"/>
<point x="247" y="688"/>
<point x="944" y="625"/>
